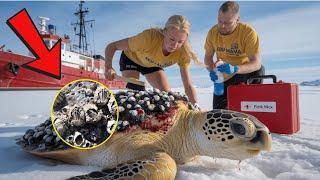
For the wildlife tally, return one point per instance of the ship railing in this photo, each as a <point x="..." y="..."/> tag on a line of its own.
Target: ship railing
<point x="85" y="54"/>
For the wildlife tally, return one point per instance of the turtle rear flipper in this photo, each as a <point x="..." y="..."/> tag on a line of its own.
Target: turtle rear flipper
<point x="158" y="165"/>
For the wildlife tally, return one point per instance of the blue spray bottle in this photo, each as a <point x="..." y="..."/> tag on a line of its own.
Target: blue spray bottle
<point x="219" y="83"/>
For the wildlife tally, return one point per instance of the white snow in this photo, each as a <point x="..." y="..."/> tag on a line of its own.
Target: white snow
<point x="294" y="156"/>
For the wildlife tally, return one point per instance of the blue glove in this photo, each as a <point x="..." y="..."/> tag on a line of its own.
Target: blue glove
<point x="228" y="68"/>
<point x="213" y="76"/>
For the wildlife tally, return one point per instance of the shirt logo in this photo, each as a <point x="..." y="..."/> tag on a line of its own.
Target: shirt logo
<point x="232" y="51"/>
<point x="158" y="64"/>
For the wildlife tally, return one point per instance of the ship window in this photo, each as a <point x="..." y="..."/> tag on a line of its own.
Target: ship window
<point x="63" y="46"/>
<point x="47" y="42"/>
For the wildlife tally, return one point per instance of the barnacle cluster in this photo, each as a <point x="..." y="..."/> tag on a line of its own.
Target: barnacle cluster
<point x="41" y="138"/>
<point x="136" y="106"/>
<point x="84" y="113"/>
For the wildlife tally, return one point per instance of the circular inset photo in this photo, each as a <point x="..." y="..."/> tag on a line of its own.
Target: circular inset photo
<point x="84" y="114"/>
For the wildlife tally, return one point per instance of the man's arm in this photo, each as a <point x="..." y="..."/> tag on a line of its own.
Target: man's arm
<point x="189" y="89"/>
<point x="254" y="64"/>
<point x="208" y="60"/>
<point x="252" y="49"/>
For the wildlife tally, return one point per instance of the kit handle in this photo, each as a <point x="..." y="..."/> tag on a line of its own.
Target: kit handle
<point x="273" y="77"/>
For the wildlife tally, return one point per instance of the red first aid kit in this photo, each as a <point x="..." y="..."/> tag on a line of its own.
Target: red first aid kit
<point x="276" y="104"/>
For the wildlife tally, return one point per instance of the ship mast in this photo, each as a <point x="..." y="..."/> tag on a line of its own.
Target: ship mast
<point x="81" y="13"/>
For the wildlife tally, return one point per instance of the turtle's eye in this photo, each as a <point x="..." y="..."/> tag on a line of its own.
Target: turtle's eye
<point x="238" y="128"/>
<point x="243" y="128"/>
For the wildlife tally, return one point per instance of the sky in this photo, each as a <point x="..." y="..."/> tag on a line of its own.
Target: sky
<point x="287" y="29"/>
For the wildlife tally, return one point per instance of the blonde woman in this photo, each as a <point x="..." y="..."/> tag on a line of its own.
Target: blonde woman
<point x="154" y="49"/>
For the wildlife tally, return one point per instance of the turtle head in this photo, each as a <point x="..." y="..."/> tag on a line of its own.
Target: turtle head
<point x="231" y="135"/>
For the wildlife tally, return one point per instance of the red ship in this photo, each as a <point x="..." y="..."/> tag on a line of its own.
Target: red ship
<point x="76" y="62"/>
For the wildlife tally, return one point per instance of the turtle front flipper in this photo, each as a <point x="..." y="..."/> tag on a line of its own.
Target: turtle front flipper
<point x="158" y="165"/>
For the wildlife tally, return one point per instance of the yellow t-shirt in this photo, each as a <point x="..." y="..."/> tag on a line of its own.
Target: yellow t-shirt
<point x="145" y="49"/>
<point x="234" y="48"/>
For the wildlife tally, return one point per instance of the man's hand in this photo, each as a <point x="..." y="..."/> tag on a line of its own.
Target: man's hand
<point x="213" y="76"/>
<point x="227" y="68"/>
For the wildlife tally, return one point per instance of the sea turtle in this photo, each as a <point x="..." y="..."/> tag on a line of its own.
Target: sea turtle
<point x="151" y="146"/>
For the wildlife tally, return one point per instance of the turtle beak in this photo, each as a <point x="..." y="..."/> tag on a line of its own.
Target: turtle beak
<point x="262" y="139"/>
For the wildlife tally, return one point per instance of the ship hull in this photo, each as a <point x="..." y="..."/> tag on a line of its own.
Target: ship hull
<point x="13" y="76"/>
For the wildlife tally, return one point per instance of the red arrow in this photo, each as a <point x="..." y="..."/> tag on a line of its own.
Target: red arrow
<point x="47" y="61"/>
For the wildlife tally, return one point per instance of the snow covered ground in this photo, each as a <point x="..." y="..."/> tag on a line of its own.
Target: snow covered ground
<point x="292" y="157"/>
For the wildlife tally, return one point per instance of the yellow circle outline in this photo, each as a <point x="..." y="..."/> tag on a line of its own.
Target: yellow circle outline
<point x="113" y="129"/>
